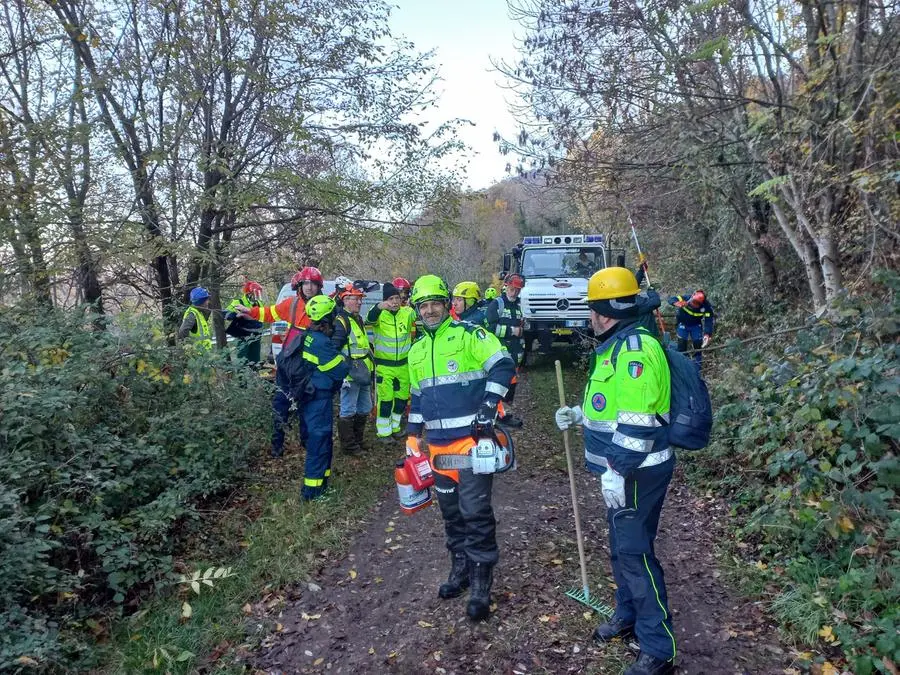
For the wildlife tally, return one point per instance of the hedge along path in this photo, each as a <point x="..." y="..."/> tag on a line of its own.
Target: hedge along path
<point x="376" y="609"/>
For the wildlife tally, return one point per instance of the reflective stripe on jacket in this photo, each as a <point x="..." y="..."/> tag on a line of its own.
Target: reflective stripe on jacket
<point x="626" y="406"/>
<point x="200" y="332"/>
<point x="392" y="334"/>
<point x="452" y="372"/>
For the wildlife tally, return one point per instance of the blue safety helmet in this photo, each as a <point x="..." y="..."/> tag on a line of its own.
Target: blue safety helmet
<point x="199" y="295"/>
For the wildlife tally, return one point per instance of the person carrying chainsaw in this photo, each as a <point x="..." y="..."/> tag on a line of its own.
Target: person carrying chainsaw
<point x="504" y="319"/>
<point x="625" y="413"/>
<point x="311" y="371"/>
<point x="459" y="372"/>
<point x="695" y="321"/>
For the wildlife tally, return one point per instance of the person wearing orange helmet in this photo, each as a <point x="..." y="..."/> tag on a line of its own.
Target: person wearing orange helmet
<point x="351" y="340"/>
<point x="696" y="321"/>
<point x="247" y="331"/>
<point x="307" y="283"/>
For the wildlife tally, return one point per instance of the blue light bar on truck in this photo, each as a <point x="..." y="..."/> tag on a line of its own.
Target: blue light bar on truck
<point x="565" y="239"/>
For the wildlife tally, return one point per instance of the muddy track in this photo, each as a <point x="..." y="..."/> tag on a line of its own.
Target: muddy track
<point x="376" y="610"/>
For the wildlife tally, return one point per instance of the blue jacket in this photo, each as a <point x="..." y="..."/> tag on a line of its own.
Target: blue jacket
<point x="311" y="351"/>
<point x="689" y="315"/>
<point x="475" y="315"/>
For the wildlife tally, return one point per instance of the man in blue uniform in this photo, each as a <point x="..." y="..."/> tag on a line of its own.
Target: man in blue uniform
<point x="695" y="320"/>
<point x="311" y="370"/>
<point x="625" y="413"/>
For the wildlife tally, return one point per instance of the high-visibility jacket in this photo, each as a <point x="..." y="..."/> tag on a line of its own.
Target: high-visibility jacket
<point x="292" y="310"/>
<point x="626" y="405"/>
<point x="503" y="316"/>
<point x="689" y="315"/>
<point x="200" y="333"/>
<point x="356" y="344"/>
<point x="392" y="334"/>
<point x="453" y="371"/>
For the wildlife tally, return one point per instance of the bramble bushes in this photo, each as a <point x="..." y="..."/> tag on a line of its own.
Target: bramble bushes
<point x="806" y="447"/>
<point x="107" y="441"/>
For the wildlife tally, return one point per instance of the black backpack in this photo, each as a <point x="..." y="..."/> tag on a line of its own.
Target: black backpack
<point x="690" y="408"/>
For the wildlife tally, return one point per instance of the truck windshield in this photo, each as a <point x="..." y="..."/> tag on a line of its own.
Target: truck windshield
<point x="561" y="262"/>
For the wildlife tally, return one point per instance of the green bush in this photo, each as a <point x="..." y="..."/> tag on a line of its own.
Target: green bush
<point x="806" y="447"/>
<point x="108" y="440"/>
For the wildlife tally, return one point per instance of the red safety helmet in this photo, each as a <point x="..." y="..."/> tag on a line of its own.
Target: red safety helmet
<point x="400" y="283"/>
<point x="307" y="274"/>
<point x="515" y="281"/>
<point x="252" y="287"/>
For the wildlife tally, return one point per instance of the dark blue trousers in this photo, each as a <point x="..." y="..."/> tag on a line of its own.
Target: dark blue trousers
<point x="641" y="593"/>
<point x="281" y="419"/>
<point x="318" y="418"/>
<point x="695" y="335"/>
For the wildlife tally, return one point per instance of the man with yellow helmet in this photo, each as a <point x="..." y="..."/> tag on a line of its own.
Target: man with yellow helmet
<point x="624" y="413"/>
<point x="465" y="303"/>
<point x="458" y="374"/>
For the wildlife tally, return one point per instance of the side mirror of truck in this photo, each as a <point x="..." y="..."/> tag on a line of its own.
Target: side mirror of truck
<point x="620" y="260"/>
<point x="507" y="262"/>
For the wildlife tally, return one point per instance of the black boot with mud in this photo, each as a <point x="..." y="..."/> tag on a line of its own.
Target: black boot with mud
<point x="613" y="628"/>
<point x="347" y="438"/>
<point x="650" y="665"/>
<point x="458" y="579"/>
<point x="359" y="431"/>
<point x="481" y="575"/>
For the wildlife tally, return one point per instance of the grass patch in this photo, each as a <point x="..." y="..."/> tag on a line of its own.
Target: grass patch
<point x="282" y="545"/>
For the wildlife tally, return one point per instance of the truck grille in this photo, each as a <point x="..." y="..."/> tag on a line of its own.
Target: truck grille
<point x="571" y="306"/>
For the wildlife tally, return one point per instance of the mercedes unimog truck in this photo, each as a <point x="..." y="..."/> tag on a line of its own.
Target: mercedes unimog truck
<point x="556" y="269"/>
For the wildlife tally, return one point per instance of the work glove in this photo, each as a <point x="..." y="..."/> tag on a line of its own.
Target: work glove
<point x="706" y="340"/>
<point x="567" y="417"/>
<point x="642" y="260"/>
<point x="483" y="426"/>
<point x="612" y="483"/>
<point x="680" y="303"/>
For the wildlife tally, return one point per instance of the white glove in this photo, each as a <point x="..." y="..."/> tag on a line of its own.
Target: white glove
<point x="706" y="340"/>
<point x="569" y="417"/>
<point x="612" y="484"/>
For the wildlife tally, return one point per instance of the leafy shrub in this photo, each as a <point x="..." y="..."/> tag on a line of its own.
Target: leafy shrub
<point x="807" y="450"/>
<point x="107" y="440"/>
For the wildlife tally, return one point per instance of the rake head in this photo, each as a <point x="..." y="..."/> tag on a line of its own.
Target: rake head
<point x="583" y="596"/>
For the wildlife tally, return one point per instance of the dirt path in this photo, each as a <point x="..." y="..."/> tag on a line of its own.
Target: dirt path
<point x="376" y="610"/>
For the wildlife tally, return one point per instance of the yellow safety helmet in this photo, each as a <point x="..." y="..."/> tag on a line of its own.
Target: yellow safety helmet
<point x="319" y="307"/>
<point x="429" y="287"/>
<point x="468" y="290"/>
<point x="611" y="283"/>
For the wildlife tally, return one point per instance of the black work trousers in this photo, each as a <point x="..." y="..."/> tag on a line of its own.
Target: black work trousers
<point x="468" y="516"/>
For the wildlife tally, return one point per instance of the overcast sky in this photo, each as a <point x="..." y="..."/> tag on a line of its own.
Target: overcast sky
<point x="465" y="35"/>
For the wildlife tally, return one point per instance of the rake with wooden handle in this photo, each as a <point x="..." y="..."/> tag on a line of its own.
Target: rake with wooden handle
<point x="583" y="594"/>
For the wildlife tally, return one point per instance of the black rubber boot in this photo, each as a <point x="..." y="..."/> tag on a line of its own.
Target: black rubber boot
<point x="650" y="665"/>
<point x="346" y="436"/>
<point x="613" y="628"/>
<point x="482" y="577"/>
<point x="359" y="431"/>
<point x="458" y="579"/>
<point x="511" y="421"/>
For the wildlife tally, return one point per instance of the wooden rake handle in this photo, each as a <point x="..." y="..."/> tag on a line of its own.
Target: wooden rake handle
<point x="569" y="465"/>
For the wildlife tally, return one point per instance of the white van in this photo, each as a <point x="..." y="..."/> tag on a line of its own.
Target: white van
<point x="280" y="328"/>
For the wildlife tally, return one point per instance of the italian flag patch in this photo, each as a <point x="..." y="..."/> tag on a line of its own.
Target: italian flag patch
<point x="635" y="368"/>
